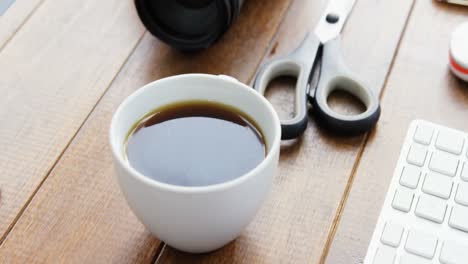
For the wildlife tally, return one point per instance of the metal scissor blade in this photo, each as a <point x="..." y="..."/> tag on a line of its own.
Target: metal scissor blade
<point x="326" y="30"/>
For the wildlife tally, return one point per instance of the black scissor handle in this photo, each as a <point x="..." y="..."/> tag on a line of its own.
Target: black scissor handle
<point x="299" y="65"/>
<point x="294" y="127"/>
<point x="334" y="75"/>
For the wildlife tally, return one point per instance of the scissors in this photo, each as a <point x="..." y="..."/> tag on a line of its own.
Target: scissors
<point x="321" y="49"/>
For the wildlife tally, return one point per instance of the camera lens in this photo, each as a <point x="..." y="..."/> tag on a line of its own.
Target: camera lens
<point x="195" y="3"/>
<point x="188" y="24"/>
<point x="184" y="18"/>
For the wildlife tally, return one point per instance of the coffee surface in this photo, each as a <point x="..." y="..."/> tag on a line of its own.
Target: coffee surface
<point x="195" y="143"/>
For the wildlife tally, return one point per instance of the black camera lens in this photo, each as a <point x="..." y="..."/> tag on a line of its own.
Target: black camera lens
<point x="188" y="24"/>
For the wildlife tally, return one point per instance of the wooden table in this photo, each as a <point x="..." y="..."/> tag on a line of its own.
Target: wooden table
<point x="66" y="65"/>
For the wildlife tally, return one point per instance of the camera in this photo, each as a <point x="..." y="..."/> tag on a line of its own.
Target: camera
<point x="188" y="24"/>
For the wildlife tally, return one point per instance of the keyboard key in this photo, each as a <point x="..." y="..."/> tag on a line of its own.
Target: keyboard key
<point x="423" y="134"/>
<point x="450" y="141"/>
<point x="464" y="174"/>
<point x="384" y="255"/>
<point x="462" y="193"/>
<point x="459" y="218"/>
<point x="413" y="259"/>
<point x="421" y="244"/>
<point x="416" y="155"/>
<point x="438" y="185"/>
<point x="444" y="163"/>
<point x="391" y="234"/>
<point x="431" y="208"/>
<point x="453" y="253"/>
<point x="403" y="199"/>
<point x="410" y="176"/>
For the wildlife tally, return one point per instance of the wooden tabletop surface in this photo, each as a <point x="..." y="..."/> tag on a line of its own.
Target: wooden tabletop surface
<point x="66" y="65"/>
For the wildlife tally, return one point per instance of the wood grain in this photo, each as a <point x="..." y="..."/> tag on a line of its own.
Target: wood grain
<point x="420" y="87"/>
<point x="12" y="20"/>
<point x="53" y="72"/>
<point x="294" y="224"/>
<point x="79" y="214"/>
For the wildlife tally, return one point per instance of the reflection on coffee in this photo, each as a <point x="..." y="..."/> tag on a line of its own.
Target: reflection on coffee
<point x="195" y="143"/>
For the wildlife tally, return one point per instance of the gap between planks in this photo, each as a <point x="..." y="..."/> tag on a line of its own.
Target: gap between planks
<point x="26" y="19"/>
<point x="336" y="221"/>
<point x="59" y="157"/>
<point x="159" y="252"/>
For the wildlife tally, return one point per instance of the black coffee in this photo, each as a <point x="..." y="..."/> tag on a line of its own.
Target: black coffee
<point x="195" y="143"/>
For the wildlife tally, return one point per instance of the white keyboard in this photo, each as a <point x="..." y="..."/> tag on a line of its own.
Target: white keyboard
<point x="424" y="218"/>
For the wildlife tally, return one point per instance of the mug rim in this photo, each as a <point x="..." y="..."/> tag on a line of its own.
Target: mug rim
<point x="275" y="144"/>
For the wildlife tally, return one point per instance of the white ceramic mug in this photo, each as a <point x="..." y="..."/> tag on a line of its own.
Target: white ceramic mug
<point x="203" y="218"/>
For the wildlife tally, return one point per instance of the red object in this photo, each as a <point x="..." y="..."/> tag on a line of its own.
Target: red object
<point x="457" y="66"/>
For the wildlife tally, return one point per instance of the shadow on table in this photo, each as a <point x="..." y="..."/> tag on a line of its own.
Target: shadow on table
<point x="225" y="254"/>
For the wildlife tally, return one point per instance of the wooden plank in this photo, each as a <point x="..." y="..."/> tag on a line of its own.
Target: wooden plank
<point x="52" y="74"/>
<point x="12" y="20"/>
<point x="420" y="86"/>
<point x="294" y="224"/>
<point x="79" y="214"/>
